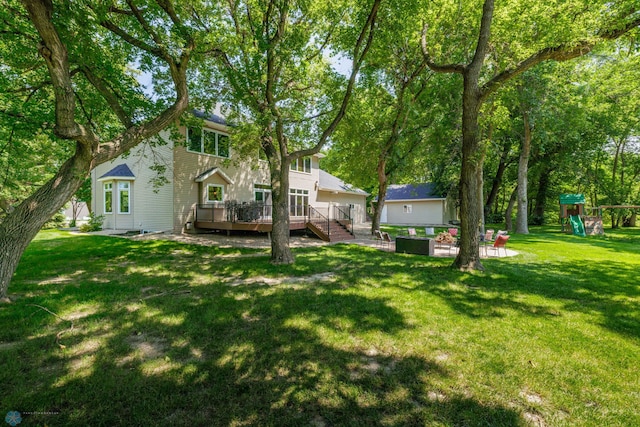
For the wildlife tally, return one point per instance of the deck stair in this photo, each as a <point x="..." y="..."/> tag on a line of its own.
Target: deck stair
<point x="329" y="230"/>
<point x="337" y="230"/>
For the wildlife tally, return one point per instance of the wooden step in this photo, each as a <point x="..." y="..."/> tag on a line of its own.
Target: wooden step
<point x="337" y="232"/>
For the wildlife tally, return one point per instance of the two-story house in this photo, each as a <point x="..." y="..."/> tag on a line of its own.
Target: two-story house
<point x="206" y="186"/>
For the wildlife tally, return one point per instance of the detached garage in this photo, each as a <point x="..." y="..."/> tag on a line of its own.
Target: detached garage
<point x="417" y="204"/>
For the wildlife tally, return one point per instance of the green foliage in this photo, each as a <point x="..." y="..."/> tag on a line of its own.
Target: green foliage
<point x="93" y="224"/>
<point x="56" y="221"/>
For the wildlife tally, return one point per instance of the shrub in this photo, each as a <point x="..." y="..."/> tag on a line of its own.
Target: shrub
<point x="494" y="218"/>
<point x="56" y="221"/>
<point x="94" y="223"/>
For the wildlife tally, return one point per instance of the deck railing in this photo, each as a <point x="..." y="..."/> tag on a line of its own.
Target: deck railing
<point x="319" y="220"/>
<point x="344" y="214"/>
<point x="235" y="212"/>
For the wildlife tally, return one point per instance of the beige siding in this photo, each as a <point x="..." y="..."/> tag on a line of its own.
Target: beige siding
<point x="172" y="205"/>
<point x="149" y="210"/>
<point x="429" y="212"/>
<point x="188" y="165"/>
<point x="326" y="200"/>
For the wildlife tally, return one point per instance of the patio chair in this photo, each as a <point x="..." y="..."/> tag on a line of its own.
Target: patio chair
<point x="429" y="231"/>
<point x="377" y="235"/>
<point x="412" y="232"/>
<point x="386" y="239"/>
<point x="453" y="232"/>
<point x="486" y="239"/>
<point x="500" y="242"/>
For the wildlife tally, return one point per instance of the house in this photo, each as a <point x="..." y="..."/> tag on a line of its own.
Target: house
<point x="416" y="204"/>
<point x="195" y="181"/>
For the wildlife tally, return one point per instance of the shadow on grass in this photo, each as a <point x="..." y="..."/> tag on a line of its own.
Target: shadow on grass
<point x="247" y="355"/>
<point x="316" y="353"/>
<point x="143" y="353"/>
<point x="606" y="289"/>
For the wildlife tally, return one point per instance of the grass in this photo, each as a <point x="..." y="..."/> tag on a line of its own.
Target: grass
<point x="163" y="333"/>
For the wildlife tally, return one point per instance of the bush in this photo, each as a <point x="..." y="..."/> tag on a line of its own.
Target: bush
<point x="94" y="223"/>
<point x="494" y="218"/>
<point x="56" y="221"/>
<point x="536" y="220"/>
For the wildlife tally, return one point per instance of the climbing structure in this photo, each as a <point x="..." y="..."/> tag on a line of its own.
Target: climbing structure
<point x="573" y="218"/>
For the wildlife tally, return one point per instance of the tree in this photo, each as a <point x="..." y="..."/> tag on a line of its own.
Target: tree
<point x="282" y="87"/>
<point x="575" y="40"/>
<point x="77" y="56"/>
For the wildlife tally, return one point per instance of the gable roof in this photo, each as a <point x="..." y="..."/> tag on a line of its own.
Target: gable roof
<point x="424" y="191"/>
<point x="328" y="182"/>
<point x="211" y="117"/>
<point x="572" y="199"/>
<point x="213" y="171"/>
<point x="121" y="172"/>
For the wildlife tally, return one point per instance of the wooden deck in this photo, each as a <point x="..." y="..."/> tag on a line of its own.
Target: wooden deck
<point x="260" y="226"/>
<point x="258" y="218"/>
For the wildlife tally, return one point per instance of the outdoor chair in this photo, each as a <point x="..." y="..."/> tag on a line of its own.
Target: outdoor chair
<point x="429" y="231"/>
<point x="500" y="242"/>
<point x="486" y="239"/>
<point x="453" y="232"/>
<point x="377" y="235"/>
<point x="412" y="232"/>
<point x="386" y="239"/>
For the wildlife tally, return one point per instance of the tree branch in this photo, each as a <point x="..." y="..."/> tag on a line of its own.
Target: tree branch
<point x="55" y="56"/>
<point x="108" y="95"/>
<point x="360" y="51"/>
<point x="449" y="68"/>
<point x="559" y="53"/>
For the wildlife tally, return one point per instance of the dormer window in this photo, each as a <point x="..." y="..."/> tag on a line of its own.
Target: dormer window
<point x="301" y="165"/>
<point x="206" y="141"/>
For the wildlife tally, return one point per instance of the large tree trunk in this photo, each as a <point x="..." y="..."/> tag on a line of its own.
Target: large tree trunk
<point x="383" y="184"/>
<point x="22" y="224"/>
<point x="543" y="189"/>
<point x="508" y="213"/>
<point x="497" y="179"/>
<point x="280" y="250"/>
<point x="469" y="256"/>
<point x="522" y="226"/>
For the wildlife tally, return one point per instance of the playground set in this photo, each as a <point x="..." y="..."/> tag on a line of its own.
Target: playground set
<point x="574" y="220"/>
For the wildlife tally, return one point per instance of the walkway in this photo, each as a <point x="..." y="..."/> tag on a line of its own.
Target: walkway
<point x="362" y="233"/>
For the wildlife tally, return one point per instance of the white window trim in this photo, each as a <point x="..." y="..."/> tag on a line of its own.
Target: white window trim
<point x="221" y="187"/>
<point x="407" y="209"/>
<point x="301" y="159"/>
<point x="128" y="190"/>
<point x="299" y="192"/>
<point x="104" y="197"/>
<point x="259" y="188"/>
<point x="201" y="152"/>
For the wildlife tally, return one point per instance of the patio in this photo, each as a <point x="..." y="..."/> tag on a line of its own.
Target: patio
<point x="261" y="240"/>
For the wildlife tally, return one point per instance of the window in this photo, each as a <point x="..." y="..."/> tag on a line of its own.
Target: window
<point x="208" y="142"/>
<point x="123" y="197"/>
<point x="108" y="197"/>
<point x="215" y="193"/>
<point x="302" y="165"/>
<point x="262" y="193"/>
<point x="407" y="209"/>
<point x="298" y="202"/>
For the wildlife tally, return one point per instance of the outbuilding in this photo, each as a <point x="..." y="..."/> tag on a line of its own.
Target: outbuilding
<point x="417" y="204"/>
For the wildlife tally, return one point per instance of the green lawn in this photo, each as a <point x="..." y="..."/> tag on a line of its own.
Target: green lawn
<point x="162" y="333"/>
